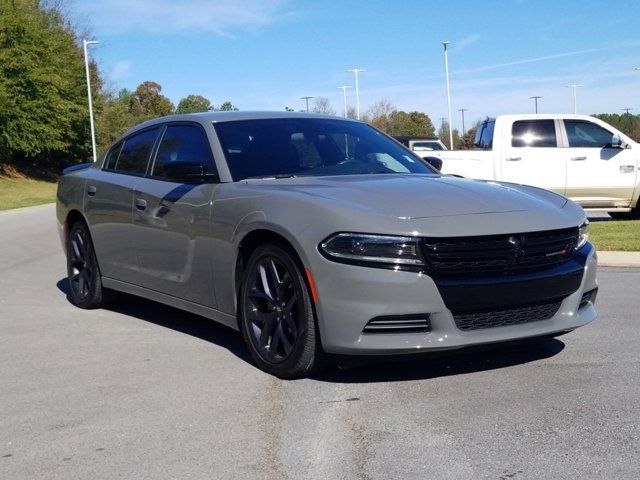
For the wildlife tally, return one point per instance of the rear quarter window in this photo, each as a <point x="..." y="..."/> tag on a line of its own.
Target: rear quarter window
<point x="136" y="152"/>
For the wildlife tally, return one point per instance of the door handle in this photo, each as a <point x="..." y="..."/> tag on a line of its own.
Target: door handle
<point x="575" y="159"/>
<point x="91" y="190"/>
<point x="513" y="159"/>
<point x="141" y="204"/>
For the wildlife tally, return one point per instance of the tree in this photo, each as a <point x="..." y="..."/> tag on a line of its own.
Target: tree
<point x="379" y="114"/>
<point x="147" y="102"/>
<point x="626" y="123"/>
<point x="323" y="105"/>
<point x="194" y="104"/>
<point x="466" y="142"/>
<point x="443" y="135"/>
<point x="43" y="103"/>
<point x="228" y="107"/>
<point x="414" y="124"/>
<point x="115" y="118"/>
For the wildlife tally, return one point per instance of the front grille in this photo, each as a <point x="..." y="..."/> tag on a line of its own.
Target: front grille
<point x="507" y="316"/>
<point x="499" y="254"/>
<point x="399" y="324"/>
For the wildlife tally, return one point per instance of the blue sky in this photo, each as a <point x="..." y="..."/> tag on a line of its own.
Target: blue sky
<point x="266" y="54"/>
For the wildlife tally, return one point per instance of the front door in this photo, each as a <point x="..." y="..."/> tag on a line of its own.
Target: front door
<point x="597" y="174"/>
<point x="533" y="156"/>
<point x="173" y="231"/>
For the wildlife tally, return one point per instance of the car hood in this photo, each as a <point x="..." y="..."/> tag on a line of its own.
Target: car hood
<point x="421" y="196"/>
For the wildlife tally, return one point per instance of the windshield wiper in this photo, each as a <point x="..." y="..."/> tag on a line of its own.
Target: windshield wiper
<point x="278" y="176"/>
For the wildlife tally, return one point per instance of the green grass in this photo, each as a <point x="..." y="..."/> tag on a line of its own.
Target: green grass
<point x="24" y="192"/>
<point x="616" y="235"/>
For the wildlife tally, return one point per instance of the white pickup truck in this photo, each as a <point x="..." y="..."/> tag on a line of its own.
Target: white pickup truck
<point x="578" y="156"/>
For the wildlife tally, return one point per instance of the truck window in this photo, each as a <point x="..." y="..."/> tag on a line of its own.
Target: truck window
<point x="534" y="133"/>
<point x="586" y="134"/>
<point x="484" y="135"/>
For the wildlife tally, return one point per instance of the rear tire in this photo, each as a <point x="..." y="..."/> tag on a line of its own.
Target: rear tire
<point x="85" y="283"/>
<point x="277" y="318"/>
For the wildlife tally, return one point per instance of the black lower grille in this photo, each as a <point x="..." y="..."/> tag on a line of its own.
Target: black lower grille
<point x="507" y="316"/>
<point x="499" y="254"/>
<point x="399" y="324"/>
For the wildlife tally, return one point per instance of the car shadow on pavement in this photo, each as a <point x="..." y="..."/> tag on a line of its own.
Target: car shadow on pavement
<point x="174" y="319"/>
<point x="442" y="364"/>
<point x="348" y="369"/>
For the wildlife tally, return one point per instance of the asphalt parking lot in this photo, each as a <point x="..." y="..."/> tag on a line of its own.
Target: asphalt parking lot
<point x="145" y="391"/>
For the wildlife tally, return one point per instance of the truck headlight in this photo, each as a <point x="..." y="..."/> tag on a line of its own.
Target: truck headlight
<point x="373" y="250"/>
<point x="583" y="235"/>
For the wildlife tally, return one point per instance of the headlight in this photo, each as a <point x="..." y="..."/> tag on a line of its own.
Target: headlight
<point x="383" y="250"/>
<point x="583" y="235"/>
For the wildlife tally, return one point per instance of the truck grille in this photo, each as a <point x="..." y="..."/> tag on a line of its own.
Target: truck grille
<point x="499" y="254"/>
<point x="507" y="316"/>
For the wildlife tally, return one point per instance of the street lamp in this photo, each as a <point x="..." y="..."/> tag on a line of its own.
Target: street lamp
<point x="462" y="110"/>
<point x="446" y="74"/>
<point x="307" y="100"/>
<point x="344" y="97"/>
<point x="355" y="71"/>
<point x="575" y="96"/>
<point x="535" y="99"/>
<point x="85" y="43"/>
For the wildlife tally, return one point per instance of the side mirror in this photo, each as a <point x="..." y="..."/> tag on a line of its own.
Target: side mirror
<point x="617" y="142"/>
<point x="185" y="171"/>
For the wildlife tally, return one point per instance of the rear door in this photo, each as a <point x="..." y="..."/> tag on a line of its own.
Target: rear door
<point x="109" y="203"/>
<point x="173" y="232"/>
<point x="597" y="174"/>
<point x="532" y="155"/>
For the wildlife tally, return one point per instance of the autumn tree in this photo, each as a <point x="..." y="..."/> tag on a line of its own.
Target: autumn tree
<point x="148" y="102"/>
<point x="194" y="104"/>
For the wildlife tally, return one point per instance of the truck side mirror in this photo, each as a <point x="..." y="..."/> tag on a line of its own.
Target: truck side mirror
<point x="617" y="142"/>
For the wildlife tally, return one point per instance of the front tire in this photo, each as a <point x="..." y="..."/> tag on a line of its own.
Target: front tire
<point x="85" y="284"/>
<point x="276" y="315"/>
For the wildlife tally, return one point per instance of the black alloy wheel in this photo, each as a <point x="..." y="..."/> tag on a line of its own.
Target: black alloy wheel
<point x="82" y="269"/>
<point x="277" y="317"/>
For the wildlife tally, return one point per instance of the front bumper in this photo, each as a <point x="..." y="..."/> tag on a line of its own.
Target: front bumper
<point x="350" y="296"/>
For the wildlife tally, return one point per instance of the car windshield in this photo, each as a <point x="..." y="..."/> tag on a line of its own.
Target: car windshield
<point x="427" y="146"/>
<point x="311" y="147"/>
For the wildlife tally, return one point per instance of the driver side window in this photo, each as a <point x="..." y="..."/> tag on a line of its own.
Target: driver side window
<point x="183" y="143"/>
<point x="586" y="134"/>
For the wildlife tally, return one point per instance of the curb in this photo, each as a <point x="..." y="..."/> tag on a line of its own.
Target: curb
<point x="619" y="259"/>
<point x="23" y="209"/>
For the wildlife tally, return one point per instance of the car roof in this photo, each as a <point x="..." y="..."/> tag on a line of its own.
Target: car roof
<point x="218" y="117"/>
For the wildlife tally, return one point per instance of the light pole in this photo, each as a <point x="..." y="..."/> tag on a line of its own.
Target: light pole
<point x="462" y="110"/>
<point x="535" y="99"/>
<point x="86" y="67"/>
<point x="627" y="110"/>
<point x="355" y="71"/>
<point x="446" y="74"/>
<point x="575" y="96"/>
<point x="307" y="100"/>
<point x="344" y="97"/>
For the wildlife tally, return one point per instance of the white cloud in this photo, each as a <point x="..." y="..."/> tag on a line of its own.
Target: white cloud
<point x="159" y="16"/>
<point x="464" y="42"/>
<point x="120" y="70"/>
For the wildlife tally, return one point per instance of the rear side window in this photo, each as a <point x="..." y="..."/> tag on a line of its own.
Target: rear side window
<point x="112" y="157"/>
<point x="183" y="143"/>
<point x="587" y="134"/>
<point x="136" y="152"/>
<point x="484" y="135"/>
<point x="534" y="133"/>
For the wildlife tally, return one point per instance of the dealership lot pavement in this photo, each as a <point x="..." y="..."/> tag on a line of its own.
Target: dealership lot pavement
<point x="146" y="391"/>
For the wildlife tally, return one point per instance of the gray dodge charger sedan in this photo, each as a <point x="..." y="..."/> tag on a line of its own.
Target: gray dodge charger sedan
<point x="315" y="235"/>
